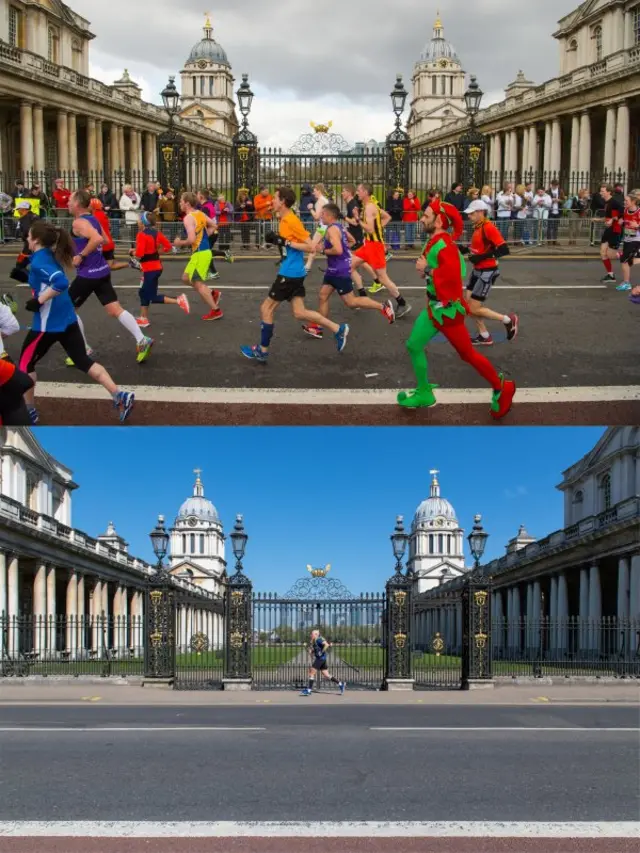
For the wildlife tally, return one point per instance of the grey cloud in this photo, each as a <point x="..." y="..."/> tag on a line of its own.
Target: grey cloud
<point x="354" y="48"/>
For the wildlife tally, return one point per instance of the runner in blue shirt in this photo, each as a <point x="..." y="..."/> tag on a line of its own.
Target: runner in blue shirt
<point x="318" y="651"/>
<point x="55" y="319"/>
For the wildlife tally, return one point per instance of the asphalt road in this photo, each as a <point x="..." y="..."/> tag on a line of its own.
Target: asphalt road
<point x="577" y="336"/>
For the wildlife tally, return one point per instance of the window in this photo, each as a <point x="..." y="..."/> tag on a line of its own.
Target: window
<point x="76" y="49"/>
<point x="443" y="85"/>
<point x="635" y="25"/>
<point x="605" y="485"/>
<point x="184" y="544"/>
<point x="54" y="45"/>
<point x="578" y="497"/>
<point x="57" y="501"/>
<point x="211" y="92"/>
<point x="195" y="91"/>
<point x="15" y="27"/>
<point x="451" y="85"/>
<point x="431" y="543"/>
<point x="448" y="544"/>
<point x="202" y="543"/>
<point x="434" y="86"/>
<point x="440" y="543"/>
<point x="193" y="543"/>
<point x="597" y="37"/>
<point x="202" y="85"/>
<point x="31" y="496"/>
<point x="573" y="46"/>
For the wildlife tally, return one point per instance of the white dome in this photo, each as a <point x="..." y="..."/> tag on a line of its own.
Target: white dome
<point x="198" y="506"/>
<point x="438" y="47"/>
<point x="434" y="506"/>
<point x="208" y="49"/>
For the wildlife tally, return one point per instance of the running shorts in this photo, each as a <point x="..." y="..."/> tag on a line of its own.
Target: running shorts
<point x="609" y="236"/>
<point x="82" y="288"/>
<point x="481" y="282"/>
<point x="320" y="665"/>
<point x="342" y="286"/>
<point x="37" y="344"/>
<point x="374" y="254"/>
<point x="199" y="265"/>
<point x="109" y="255"/>
<point x="630" y="251"/>
<point x="285" y="289"/>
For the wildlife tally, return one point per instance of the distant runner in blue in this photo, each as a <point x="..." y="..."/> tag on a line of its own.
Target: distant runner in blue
<point x="318" y="651"/>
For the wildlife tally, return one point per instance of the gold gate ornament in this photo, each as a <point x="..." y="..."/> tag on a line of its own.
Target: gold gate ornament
<point x="481" y="597"/>
<point x="400" y="640"/>
<point x="437" y="644"/>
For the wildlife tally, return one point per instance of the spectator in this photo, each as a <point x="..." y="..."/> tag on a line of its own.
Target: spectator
<point x="130" y="206"/>
<point x="506" y="204"/>
<point x="263" y="205"/>
<point x="432" y="195"/>
<point x="26" y="219"/>
<point x="244" y="215"/>
<point x="36" y="192"/>
<point x="150" y="198"/>
<point x="109" y="201"/>
<point x="168" y="205"/>
<point x="61" y="196"/>
<point x="91" y="189"/>
<point x="522" y="213"/>
<point x="580" y="207"/>
<point x="597" y="204"/>
<point x="306" y="198"/>
<point x="224" y="215"/>
<point x="456" y="197"/>
<point x="557" y="197"/>
<point x="411" y="208"/>
<point x="395" y="210"/>
<point x="486" y="195"/>
<point x="541" y="207"/>
<point x="19" y="191"/>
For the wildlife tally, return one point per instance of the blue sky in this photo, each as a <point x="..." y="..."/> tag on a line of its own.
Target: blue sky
<point x="318" y="495"/>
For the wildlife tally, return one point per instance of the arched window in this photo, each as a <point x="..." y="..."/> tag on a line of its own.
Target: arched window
<point x="195" y="91"/>
<point x="605" y="486"/>
<point x="597" y="37"/>
<point x="199" y="113"/>
<point x="211" y="89"/>
<point x="431" y="543"/>
<point x="578" y="497"/>
<point x="434" y="86"/>
<point x="54" y="44"/>
<point x="202" y="543"/>
<point x="184" y="544"/>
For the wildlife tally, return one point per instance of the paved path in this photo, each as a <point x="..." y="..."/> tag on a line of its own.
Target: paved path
<point x="574" y="360"/>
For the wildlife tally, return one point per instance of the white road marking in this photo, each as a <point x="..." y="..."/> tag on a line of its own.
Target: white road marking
<point x="300" y="829"/>
<point x="86" y="729"/>
<point x="499" y="729"/>
<point x="333" y="397"/>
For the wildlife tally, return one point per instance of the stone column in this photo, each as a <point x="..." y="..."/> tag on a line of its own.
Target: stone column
<point x="92" y="147"/>
<point x="51" y="609"/>
<point x="563" y="616"/>
<point x="3" y="586"/>
<point x="574" y="165"/>
<point x="100" y="149"/>
<point x="623" y="140"/>
<point x="553" y="615"/>
<point x="81" y="636"/>
<point x="133" y="156"/>
<point x="510" y="622"/>
<point x="71" y="613"/>
<point x="514" y="152"/>
<point x="38" y="138"/>
<point x="96" y="613"/>
<point x="533" y="148"/>
<point x="13" y="602"/>
<point x="498" y="158"/>
<point x="126" y="640"/>
<point x="537" y="602"/>
<point x="624" y="636"/>
<point x="40" y="609"/>
<point x="73" y="144"/>
<point x="609" y="140"/>
<point x="546" y="163"/>
<point x="530" y="627"/>
<point x="634" y="588"/>
<point x="26" y="138"/>
<point x="556" y="146"/>
<point x="121" y="148"/>
<point x="595" y="608"/>
<point x="63" y="141"/>
<point x="584" y="610"/>
<point x="114" y="149"/>
<point x="105" y="622"/>
<point x="584" y="159"/>
<point x="525" y="153"/>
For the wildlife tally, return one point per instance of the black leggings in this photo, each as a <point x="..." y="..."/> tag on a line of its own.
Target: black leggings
<point x="215" y="253"/>
<point x="37" y="344"/>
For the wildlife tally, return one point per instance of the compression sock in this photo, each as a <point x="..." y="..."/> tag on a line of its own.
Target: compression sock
<point x="608" y="265"/>
<point x="335" y="680"/>
<point x="129" y="322"/>
<point x="266" y="334"/>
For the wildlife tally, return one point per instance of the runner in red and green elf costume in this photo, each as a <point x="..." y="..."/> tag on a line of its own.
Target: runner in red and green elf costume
<point x="444" y="269"/>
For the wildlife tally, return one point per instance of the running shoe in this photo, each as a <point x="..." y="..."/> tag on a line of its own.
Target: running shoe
<point x="388" y="311"/>
<point x="314" y="331"/>
<point x="229" y="257"/>
<point x="34" y="417"/>
<point x="144" y="349"/>
<point x="183" y="303"/>
<point x="403" y="310"/>
<point x="10" y="303"/>
<point x="255" y="354"/>
<point x="216" y="314"/>
<point x="341" y="337"/>
<point x="123" y="402"/>
<point x="213" y="276"/>
<point x="513" y="327"/>
<point x="376" y="287"/>
<point x="143" y="322"/>
<point x="306" y="692"/>
<point x="635" y="298"/>
<point x="135" y="264"/>
<point x="342" y="687"/>
<point x="479" y="341"/>
<point x="624" y="287"/>
<point x="389" y="256"/>
<point x="608" y="278"/>
<point x="502" y="401"/>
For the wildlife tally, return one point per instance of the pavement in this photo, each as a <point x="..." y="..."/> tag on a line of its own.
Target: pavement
<point x="545" y="778"/>
<point x="575" y="360"/>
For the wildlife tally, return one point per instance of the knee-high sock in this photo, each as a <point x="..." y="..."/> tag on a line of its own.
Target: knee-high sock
<point x="422" y="333"/>
<point x="129" y="322"/>
<point x="459" y="338"/>
<point x="84" y="337"/>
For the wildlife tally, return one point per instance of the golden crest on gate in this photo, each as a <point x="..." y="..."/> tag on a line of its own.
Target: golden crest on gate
<point x="236" y="640"/>
<point x="437" y="644"/>
<point x="481" y="597"/>
<point x="400" y="640"/>
<point x="400" y="598"/>
<point x="156" y="597"/>
<point x="237" y="598"/>
<point x="155" y="639"/>
<point x="481" y="641"/>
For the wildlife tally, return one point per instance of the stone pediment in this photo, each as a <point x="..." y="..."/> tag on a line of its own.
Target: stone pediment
<point x="584" y="14"/>
<point x="439" y="112"/>
<point x="207" y="112"/>
<point x="436" y="571"/>
<point x="613" y="440"/>
<point x="23" y="443"/>
<point x="188" y="566"/>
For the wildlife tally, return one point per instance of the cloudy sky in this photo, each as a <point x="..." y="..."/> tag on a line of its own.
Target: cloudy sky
<point x="335" y="60"/>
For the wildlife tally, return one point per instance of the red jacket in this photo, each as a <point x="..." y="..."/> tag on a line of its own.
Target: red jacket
<point x="103" y="219"/>
<point x="61" y="198"/>
<point x="412" y="208"/>
<point x="149" y="244"/>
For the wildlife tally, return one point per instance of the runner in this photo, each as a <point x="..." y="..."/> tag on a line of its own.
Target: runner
<point x="337" y="248"/>
<point x="149" y="244"/>
<point x="487" y="245"/>
<point x="55" y="319"/>
<point x="293" y="241"/>
<point x="207" y="206"/>
<point x="14" y="384"/>
<point x="318" y="647"/>
<point x="442" y="265"/>
<point x="320" y="195"/>
<point x="354" y="222"/>
<point x="614" y="217"/>
<point x="199" y="227"/>
<point x="93" y="276"/>
<point x="8" y="323"/>
<point x="373" y="251"/>
<point x="109" y="246"/>
<point x="630" y="254"/>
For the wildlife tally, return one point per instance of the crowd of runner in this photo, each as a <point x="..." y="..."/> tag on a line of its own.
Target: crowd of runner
<point x="353" y="243"/>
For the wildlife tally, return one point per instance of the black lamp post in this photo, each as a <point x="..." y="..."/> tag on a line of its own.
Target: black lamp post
<point x="477" y="540"/>
<point x="238" y="611"/>
<point x="160" y="542"/>
<point x="171" y="100"/>
<point x="398" y="141"/>
<point x="399" y="541"/>
<point x="245" y="143"/>
<point x="472" y="144"/>
<point x="399" y="97"/>
<point x="473" y="98"/>
<point x="239" y="541"/>
<point x="171" y="145"/>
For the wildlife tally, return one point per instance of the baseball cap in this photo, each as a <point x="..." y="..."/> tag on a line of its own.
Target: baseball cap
<point x="476" y="206"/>
<point x="24" y="205"/>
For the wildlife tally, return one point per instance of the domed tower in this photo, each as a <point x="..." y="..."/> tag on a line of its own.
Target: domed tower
<point x="207" y="86"/>
<point x="436" y="543"/>
<point x="196" y="552"/>
<point x="438" y="86"/>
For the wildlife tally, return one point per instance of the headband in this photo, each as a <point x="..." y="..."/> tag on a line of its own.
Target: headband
<point x="145" y="218"/>
<point x="450" y="216"/>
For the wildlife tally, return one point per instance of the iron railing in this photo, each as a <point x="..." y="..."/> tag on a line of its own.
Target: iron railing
<point x="437" y="645"/>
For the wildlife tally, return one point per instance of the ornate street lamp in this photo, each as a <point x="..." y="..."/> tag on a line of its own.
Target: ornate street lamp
<point x="160" y="542"/>
<point x="245" y="143"/>
<point x="399" y="540"/>
<point x="477" y="540"/>
<point x="239" y="540"/>
<point x="398" y="142"/>
<point x="472" y="144"/>
<point x="399" y="97"/>
<point x="171" y="145"/>
<point x="473" y="98"/>
<point x="171" y="100"/>
<point x="245" y="98"/>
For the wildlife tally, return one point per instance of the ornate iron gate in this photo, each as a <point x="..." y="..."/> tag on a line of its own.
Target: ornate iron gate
<point x="437" y="641"/>
<point x="199" y="640"/>
<point x="353" y="625"/>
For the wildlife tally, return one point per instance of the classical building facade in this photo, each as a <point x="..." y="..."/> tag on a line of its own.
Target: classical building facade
<point x="65" y="594"/>
<point x="55" y="119"/>
<point x="585" y="120"/>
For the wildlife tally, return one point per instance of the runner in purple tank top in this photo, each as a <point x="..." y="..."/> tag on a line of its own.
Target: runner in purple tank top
<point x="94" y="274"/>
<point x="337" y="250"/>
